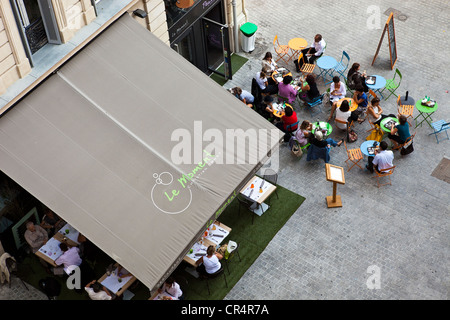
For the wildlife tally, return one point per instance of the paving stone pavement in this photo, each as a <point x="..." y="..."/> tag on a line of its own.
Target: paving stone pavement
<point x="402" y="229"/>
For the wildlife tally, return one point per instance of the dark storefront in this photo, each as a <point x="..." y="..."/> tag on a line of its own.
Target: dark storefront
<point x="198" y="31"/>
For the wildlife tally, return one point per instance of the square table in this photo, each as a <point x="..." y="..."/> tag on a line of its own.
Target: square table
<point x="380" y="83"/>
<point x="425" y="113"/>
<point x="326" y="65"/>
<point x="258" y="190"/>
<point x="68" y="234"/>
<point x="113" y="284"/>
<point x="50" y="251"/>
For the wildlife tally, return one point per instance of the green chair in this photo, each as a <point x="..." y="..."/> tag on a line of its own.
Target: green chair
<point x="393" y="84"/>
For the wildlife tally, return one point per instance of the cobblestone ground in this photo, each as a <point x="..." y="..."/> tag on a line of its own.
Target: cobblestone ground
<point x="20" y="291"/>
<point x="402" y="229"/>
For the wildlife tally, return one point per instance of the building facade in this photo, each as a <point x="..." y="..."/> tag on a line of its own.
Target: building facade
<point x="200" y="30"/>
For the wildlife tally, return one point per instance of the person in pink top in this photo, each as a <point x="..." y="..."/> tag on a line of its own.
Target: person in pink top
<point x="286" y="90"/>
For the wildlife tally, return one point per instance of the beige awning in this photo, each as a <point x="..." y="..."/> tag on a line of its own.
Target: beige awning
<point x="100" y="141"/>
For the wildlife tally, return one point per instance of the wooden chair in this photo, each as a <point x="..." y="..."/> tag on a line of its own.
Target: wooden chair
<point x="348" y="125"/>
<point x="282" y="51"/>
<point x="306" y="68"/>
<point x="373" y="94"/>
<point x="406" y="143"/>
<point x="354" y="156"/>
<point x="406" y="110"/>
<point x="382" y="174"/>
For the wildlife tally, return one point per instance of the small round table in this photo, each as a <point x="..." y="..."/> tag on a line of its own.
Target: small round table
<point x="297" y="44"/>
<point x="326" y="65"/>
<point x="425" y="113"/>
<point x="352" y="103"/>
<point x="366" y="144"/>
<point x="380" y="83"/>
<point x="386" y="120"/>
<point x="279" y="109"/>
<point x="322" y="124"/>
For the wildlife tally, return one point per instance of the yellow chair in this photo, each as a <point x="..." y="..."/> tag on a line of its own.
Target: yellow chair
<point x="406" y="110"/>
<point x="384" y="173"/>
<point x="307" y="68"/>
<point x="354" y="156"/>
<point x="282" y="51"/>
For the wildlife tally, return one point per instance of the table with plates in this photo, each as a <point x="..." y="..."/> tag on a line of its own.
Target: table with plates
<point x="352" y="103"/>
<point x="296" y="45"/>
<point x="115" y="283"/>
<point x="324" y="126"/>
<point x="369" y="144"/>
<point x="279" y="109"/>
<point x="425" y="113"/>
<point x="326" y="65"/>
<point x="280" y="73"/>
<point x="380" y="83"/>
<point x="385" y="121"/>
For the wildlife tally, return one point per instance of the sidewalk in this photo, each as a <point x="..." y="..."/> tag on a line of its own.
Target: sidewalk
<point x="401" y="229"/>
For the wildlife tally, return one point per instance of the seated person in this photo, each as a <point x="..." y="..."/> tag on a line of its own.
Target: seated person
<point x="263" y="81"/>
<point x="51" y="222"/>
<point x="268" y="109"/>
<point x="35" y="236"/>
<point x="286" y="90"/>
<point x="88" y="250"/>
<point x="309" y="90"/>
<point x="243" y="95"/>
<point x="382" y="160"/>
<point x="355" y="78"/>
<point x="337" y="90"/>
<point x="303" y="133"/>
<point x="70" y="259"/>
<point x="97" y="291"/>
<point x="315" y="51"/>
<point x="342" y="113"/>
<point x="172" y="289"/>
<point x="361" y="99"/>
<point x="210" y="263"/>
<point x="319" y="142"/>
<point x="375" y="112"/>
<point x="400" y="132"/>
<point x="269" y="62"/>
<point x="289" y="118"/>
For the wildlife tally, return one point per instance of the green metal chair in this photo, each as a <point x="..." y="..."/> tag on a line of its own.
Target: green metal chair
<point x="392" y="84"/>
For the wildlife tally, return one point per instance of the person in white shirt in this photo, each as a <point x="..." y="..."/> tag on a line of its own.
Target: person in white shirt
<point x="97" y="291"/>
<point x="266" y="86"/>
<point x="172" y="289"/>
<point x="343" y="113"/>
<point x="337" y="90"/>
<point x="315" y="51"/>
<point x="383" y="158"/>
<point x="210" y="263"/>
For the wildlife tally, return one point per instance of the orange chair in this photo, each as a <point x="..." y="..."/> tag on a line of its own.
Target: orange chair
<point x="406" y="143"/>
<point x="406" y="110"/>
<point x="306" y="68"/>
<point x="384" y="173"/>
<point x="348" y="125"/>
<point x="282" y="51"/>
<point x="354" y="155"/>
<point x="373" y="94"/>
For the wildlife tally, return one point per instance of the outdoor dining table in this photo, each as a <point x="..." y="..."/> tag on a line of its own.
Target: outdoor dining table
<point x="325" y="126"/>
<point x="296" y="45"/>
<point x="380" y="83"/>
<point x="326" y="65"/>
<point x="425" y="113"/>
<point x="116" y="284"/>
<point x="258" y="190"/>
<point x="279" y="109"/>
<point x="280" y="73"/>
<point x="213" y="237"/>
<point x="50" y="251"/>
<point x="385" y="121"/>
<point x="369" y="144"/>
<point x="352" y="103"/>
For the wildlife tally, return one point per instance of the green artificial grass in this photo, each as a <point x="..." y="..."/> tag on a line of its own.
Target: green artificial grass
<point x="236" y="63"/>
<point x="252" y="240"/>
